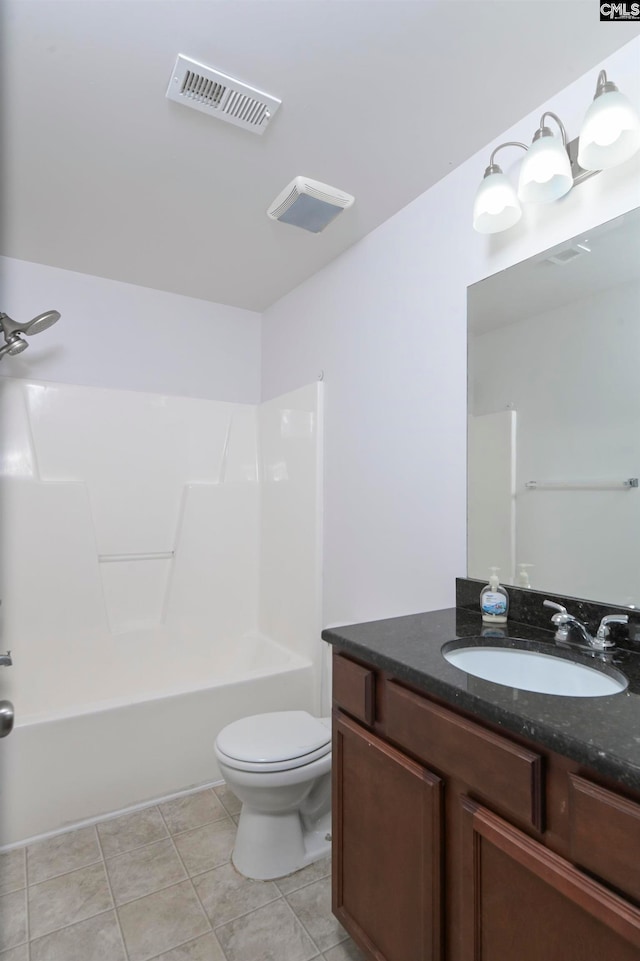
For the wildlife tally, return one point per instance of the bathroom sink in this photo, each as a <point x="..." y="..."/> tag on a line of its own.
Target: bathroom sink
<point x="532" y="670"/>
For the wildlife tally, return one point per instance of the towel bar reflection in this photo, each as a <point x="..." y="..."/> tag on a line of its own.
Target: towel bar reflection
<point x="151" y="556"/>
<point x="603" y="485"/>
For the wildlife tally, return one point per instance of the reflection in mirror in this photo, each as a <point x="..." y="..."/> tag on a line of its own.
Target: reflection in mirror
<point x="554" y="398"/>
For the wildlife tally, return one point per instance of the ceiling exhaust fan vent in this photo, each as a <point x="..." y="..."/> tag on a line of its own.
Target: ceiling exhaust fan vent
<point x="309" y="204"/>
<point x="563" y="257"/>
<point x="203" y="88"/>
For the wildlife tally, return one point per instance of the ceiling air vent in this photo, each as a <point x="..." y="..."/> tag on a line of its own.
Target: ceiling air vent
<point x="213" y="93"/>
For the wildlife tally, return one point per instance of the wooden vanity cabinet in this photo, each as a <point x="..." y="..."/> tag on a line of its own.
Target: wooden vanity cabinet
<point x="522" y="901"/>
<point x="387" y="829"/>
<point x="452" y="842"/>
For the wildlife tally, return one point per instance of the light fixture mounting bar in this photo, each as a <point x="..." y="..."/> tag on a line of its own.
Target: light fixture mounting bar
<point x="578" y="173"/>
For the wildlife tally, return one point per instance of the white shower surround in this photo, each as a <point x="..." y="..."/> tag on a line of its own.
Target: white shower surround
<point x="126" y="668"/>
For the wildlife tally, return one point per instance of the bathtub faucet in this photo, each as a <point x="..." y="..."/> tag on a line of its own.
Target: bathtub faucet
<point x="5" y="659"/>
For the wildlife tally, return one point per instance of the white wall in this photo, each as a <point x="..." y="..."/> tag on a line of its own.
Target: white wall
<point x="571" y="374"/>
<point x="386" y="322"/>
<point x="119" y="335"/>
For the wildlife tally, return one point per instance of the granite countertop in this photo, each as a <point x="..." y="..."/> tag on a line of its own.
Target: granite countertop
<point x="602" y="733"/>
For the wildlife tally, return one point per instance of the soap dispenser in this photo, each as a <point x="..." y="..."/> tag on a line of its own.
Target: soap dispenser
<point x="494" y="600"/>
<point x="522" y="575"/>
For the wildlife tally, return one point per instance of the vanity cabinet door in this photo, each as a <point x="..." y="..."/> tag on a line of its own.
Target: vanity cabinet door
<point x="522" y="901"/>
<point x="387" y="866"/>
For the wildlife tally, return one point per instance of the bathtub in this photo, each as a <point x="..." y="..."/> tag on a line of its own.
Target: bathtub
<point x="126" y="735"/>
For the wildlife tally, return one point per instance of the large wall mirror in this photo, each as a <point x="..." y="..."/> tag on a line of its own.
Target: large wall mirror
<point x="554" y="419"/>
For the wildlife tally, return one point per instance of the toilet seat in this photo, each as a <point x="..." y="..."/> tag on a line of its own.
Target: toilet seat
<point x="279" y="741"/>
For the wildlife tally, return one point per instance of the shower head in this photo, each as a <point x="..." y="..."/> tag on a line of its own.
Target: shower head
<point x="41" y="322"/>
<point x="14" y="342"/>
<point x="17" y="345"/>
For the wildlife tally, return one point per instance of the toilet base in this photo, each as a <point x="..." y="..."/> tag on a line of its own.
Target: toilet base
<point x="271" y="846"/>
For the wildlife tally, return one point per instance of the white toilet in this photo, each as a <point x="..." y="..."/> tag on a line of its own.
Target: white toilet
<point x="279" y="766"/>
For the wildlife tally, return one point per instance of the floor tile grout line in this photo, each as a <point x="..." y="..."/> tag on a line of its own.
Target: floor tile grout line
<point x="165" y="837"/>
<point x="21" y="887"/>
<point x="141" y="897"/>
<point x="163" y="887"/>
<point x="269" y="904"/>
<point x="280" y="896"/>
<point x="304" y="928"/>
<point x="190" y="879"/>
<point x="26" y="902"/>
<point x="136" y="847"/>
<point x="205" y="934"/>
<point x="306" y="884"/>
<point x="245" y="914"/>
<point x="141" y="847"/>
<point x="177" y="834"/>
<point x="286" y="897"/>
<point x="54" y="877"/>
<point x="61" y="873"/>
<point x="115" y="908"/>
<point x="200" y="874"/>
<point x="226" y="815"/>
<point x="222" y="802"/>
<point x="197" y="874"/>
<point x="26" y="920"/>
<point x="71" y="924"/>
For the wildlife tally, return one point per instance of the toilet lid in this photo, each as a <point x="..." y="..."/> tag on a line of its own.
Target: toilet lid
<point x="279" y="736"/>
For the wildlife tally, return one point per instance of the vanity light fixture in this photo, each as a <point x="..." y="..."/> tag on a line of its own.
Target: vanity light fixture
<point x="496" y="206"/>
<point x="545" y="173"/>
<point x="610" y="135"/>
<point x="610" y="130"/>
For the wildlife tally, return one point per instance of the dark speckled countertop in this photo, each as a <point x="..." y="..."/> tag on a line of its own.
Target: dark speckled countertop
<point x="602" y="733"/>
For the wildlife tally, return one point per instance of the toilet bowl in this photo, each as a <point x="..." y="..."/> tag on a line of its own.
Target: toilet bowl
<point x="279" y="766"/>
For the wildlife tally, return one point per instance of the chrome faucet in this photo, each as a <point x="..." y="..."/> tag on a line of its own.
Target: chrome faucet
<point x="5" y="659"/>
<point x="565" y="623"/>
<point x="603" y="634"/>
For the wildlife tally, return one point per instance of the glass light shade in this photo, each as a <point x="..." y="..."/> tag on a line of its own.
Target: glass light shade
<point x="610" y="132"/>
<point x="545" y="172"/>
<point x="496" y="206"/>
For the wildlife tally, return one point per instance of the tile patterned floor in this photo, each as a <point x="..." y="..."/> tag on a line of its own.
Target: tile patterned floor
<point x="158" y="885"/>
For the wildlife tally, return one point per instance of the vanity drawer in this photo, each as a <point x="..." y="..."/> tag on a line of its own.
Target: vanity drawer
<point x="505" y="775"/>
<point x="604" y="834"/>
<point x="354" y="688"/>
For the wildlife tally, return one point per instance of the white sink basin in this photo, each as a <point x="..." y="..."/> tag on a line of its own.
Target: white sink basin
<point x="533" y="671"/>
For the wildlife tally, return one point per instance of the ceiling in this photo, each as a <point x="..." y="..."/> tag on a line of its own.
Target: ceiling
<point x="380" y="98"/>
